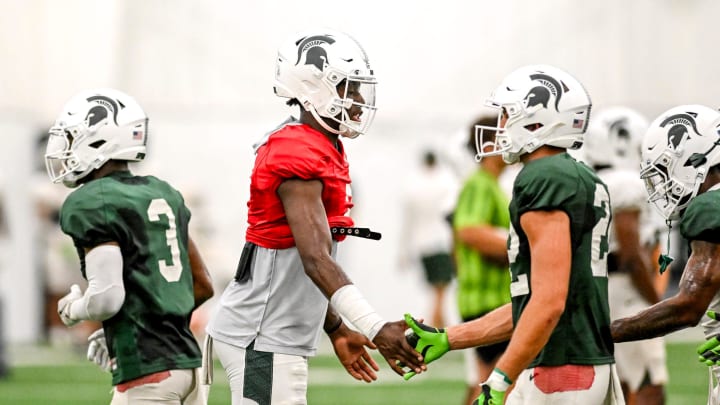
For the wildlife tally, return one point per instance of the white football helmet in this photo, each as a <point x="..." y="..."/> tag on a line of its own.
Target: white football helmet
<point x="94" y="127"/>
<point x="310" y="68"/>
<point x="542" y="95"/>
<point x="680" y="147"/>
<point x="614" y="137"/>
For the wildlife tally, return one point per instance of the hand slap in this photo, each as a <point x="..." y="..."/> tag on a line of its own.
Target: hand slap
<point x="429" y="341"/>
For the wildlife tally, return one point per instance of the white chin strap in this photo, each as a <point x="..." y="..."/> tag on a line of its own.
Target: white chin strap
<point x="348" y="132"/>
<point x="322" y="122"/>
<point x="343" y="131"/>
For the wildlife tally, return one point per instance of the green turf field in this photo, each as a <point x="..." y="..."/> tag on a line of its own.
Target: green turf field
<point x="74" y="381"/>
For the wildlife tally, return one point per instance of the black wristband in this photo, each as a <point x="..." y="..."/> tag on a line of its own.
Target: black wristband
<point x="335" y="327"/>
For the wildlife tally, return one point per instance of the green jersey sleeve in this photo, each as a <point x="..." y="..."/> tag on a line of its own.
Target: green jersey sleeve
<point x="701" y="220"/>
<point x="86" y="217"/>
<point x="544" y="185"/>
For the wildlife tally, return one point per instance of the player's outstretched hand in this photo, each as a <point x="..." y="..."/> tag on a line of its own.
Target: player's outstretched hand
<point x="396" y="350"/>
<point x="709" y="351"/>
<point x="431" y="342"/>
<point x="350" y="349"/>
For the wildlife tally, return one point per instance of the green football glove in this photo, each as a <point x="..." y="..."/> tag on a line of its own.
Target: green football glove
<point x="431" y="342"/>
<point x="490" y="396"/>
<point x="710" y="350"/>
<point x="493" y="390"/>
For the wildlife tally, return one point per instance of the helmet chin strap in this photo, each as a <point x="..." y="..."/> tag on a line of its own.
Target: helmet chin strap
<point x="665" y="259"/>
<point x="348" y="132"/>
<point x="343" y="131"/>
<point x="322" y="122"/>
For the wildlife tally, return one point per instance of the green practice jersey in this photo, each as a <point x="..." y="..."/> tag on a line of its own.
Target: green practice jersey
<point x="148" y="219"/>
<point x="483" y="285"/>
<point x="558" y="182"/>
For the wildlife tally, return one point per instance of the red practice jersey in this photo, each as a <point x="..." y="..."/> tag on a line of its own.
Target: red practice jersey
<point x="296" y="151"/>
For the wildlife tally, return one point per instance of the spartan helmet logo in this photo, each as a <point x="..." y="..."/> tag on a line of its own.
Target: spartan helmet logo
<point x="541" y="94"/>
<point x="315" y="53"/>
<point x="99" y="112"/>
<point x="680" y="126"/>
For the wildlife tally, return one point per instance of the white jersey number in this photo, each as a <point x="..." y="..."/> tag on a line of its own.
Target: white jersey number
<point x="521" y="285"/>
<point x="600" y="242"/>
<point x="172" y="269"/>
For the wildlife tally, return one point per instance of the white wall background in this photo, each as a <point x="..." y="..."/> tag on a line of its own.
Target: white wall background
<point x="203" y="71"/>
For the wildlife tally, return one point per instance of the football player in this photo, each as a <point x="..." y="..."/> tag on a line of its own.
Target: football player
<point x="612" y="148"/>
<point x="681" y="169"/>
<point x="558" y="320"/>
<point x="268" y="319"/>
<point x="480" y="226"/>
<point x="145" y="275"/>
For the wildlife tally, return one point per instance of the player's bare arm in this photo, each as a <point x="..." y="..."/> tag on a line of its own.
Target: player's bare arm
<point x="486" y="240"/>
<point x="307" y="219"/>
<point x="631" y="255"/>
<point x="202" y="283"/>
<point x="699" y="283"/>
<point x="495" y="327"/>
<point x="548" y="234"/>
<point x="308" y="222"/>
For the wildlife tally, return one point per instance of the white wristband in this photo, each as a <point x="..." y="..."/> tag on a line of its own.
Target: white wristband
<point x="498" y="381"/>
<point x="349" y="302"/>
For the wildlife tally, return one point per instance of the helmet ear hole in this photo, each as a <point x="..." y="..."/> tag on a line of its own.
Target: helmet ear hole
<point x="97" y="144"/>
<point x="696" y="160"/>
<point x="533" y="127"/>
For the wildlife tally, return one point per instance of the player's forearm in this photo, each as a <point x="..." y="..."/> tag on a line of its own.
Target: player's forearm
<point x="98" y="305"/>
<point x="486" y="240"/>
<point x="642" y="279"/>
<point x="631" y="255"/>
<point x="495" y="327"/>
<point x="660" y="319"/>
<point x="532" y="333"/>
<point x="202" y="283"/>
<point x="332" y="322"/>
<point x="201" y="292"/>
<point x="632" y="259"/>
<point x="106" y="291"/>
<point x="698" y="286"/>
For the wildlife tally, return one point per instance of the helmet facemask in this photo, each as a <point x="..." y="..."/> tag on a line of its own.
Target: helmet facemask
<point x="511" y="140"/>
<point x="669" y="196"/>
<point x="60" y="160"/>
<point x="353" y="109"/>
